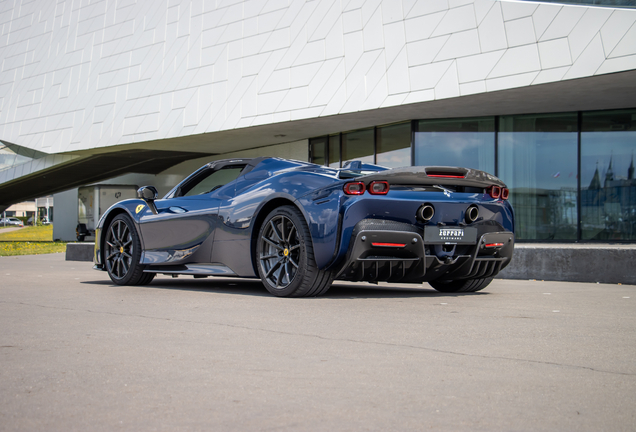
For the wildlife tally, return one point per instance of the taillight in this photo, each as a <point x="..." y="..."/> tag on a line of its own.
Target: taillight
<point x="354" y="188"/>
<point x="494" y="192"/>
<point x="445" y="176"/>
<point x="379" y="188"/>
<point x="505" y="193"/>
<point x="494" y="245"/>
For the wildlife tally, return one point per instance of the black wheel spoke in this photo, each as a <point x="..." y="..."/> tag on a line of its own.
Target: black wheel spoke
<point x="287" y="272"/>
<point x="276" y="245"/>
<point x="275" y="230"/>
<point x="291" y="232"/>
<point x="274" y="267"/>
<point x="279" y="278"/>
<point x="282" y="229"/>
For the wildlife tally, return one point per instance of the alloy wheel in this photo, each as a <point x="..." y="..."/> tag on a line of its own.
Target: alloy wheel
<point x="279" y="251"/>
<point x="119" y="249"/>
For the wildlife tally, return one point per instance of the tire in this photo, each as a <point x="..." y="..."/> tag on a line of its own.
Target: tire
<point x="122" y="253"/>
<point x="80" y="238"/>
<point x="461" y="285"/>
<point x="146" y="279"/>
<point x="285" y="256"/>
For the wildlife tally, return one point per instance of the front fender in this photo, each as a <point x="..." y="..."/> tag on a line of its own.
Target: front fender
<point x="134" y="207"/>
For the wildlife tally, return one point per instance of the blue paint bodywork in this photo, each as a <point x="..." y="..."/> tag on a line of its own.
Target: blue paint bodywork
<point x="219" y="228"/>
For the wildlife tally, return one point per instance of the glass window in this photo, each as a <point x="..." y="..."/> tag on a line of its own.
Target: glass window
<point x="214" y="180"/>
<point x="466" y="143"/>
<point x="318" y="149"/>
<point x="538" y="162"/>
<point x="394" y="145"/>
<point x="358" y="145"/>
<point x="608" y="184"/>
<point x="334" y="151"/>
<point x="12" y="155"/>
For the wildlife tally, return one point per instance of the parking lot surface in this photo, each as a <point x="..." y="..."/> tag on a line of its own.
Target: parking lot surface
<point x="79" y="353"/>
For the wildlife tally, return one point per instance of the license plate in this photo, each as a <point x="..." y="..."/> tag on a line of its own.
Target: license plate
<point x="450" y="235"/>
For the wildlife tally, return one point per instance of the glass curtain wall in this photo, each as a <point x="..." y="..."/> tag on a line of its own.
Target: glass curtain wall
<point x="318" y="149"/>
<point x="466" y="143"/>
<point x="325" y="149"/>
<point x="537" y="156"/>
<point x="394" y="145"/>
<point x="358" y="145"/>
<point x="608" y="186"/>
<point x="334" y="151"/>
<point x="538" y="162"/>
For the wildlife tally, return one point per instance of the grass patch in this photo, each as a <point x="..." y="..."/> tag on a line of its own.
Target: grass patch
<point x="28" y="248"/>
<point x="30" y="241"/>
<point x="34" y="233"/>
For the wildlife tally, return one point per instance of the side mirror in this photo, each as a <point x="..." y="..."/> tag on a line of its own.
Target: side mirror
<point x="148" y="194"/>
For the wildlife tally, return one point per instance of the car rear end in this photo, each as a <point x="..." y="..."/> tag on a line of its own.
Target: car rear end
<point x="422" y="224"/>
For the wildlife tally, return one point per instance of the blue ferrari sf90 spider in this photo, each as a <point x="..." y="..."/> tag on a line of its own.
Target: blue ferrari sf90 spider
<point x="299" y="226"/>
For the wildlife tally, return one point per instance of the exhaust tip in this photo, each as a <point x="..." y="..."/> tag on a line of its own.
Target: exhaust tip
<point x="426" y="212"/>
<point x="472" y="213"/>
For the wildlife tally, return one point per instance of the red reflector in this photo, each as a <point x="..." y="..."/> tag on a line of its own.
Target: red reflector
<point x="354" y="188"/>
<point x="505" y="193"/>
<point x="379" y="188"/>
<point x="445" y="176"/>
<point x="492" y="245"/>
<point x="495" y="192"/>
<point x="388" y="244"/>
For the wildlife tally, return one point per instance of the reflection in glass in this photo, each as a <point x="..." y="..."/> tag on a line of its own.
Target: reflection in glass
<point x="12" y="155"/>
<point x="318" y="149"/>
<point x="537" y="160"/>
<point x="358" y="145"/>
<point x="466" y="143"/>
<point x="608" y="186"/>
<point x="334" y="151"/>
<point x="394" y="145"/>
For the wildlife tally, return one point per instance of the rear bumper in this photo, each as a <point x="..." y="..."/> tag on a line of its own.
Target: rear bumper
<point x="400" y="252"/>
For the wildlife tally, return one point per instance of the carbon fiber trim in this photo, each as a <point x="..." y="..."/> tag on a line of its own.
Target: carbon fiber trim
<point x="385" y="225"/>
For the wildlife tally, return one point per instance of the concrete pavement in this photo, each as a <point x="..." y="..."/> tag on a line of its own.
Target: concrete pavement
<point x="79" y="353"/>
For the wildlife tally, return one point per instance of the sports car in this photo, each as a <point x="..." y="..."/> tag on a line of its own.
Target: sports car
<point x="299" y="226"/>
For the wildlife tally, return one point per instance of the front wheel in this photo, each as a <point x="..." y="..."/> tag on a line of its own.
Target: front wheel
<point x="285" y="256"/>
<point x="122" y="253"/>
<point x="461" y="285"/>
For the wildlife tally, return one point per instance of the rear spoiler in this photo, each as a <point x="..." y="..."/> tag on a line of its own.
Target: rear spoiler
<point x="435" y="175"/>
<point x="354" y="169"/>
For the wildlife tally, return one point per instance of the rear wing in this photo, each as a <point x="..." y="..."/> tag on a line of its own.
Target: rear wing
<point x="435" y="175"/>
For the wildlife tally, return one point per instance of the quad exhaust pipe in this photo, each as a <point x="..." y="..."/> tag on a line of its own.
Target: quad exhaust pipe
<point x="426" y="212"/>
<point x="472" y="213"/>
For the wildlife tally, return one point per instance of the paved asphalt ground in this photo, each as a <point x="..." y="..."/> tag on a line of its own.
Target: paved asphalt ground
<point x="79" y="353"/>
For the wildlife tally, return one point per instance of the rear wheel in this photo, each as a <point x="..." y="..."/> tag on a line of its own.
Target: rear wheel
<point x="461" y="285"/>
<point x="122" y="253"/>
<point x="285" y="257"/>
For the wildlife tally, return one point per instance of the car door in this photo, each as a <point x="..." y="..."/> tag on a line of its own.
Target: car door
<point x="184" y="226"/>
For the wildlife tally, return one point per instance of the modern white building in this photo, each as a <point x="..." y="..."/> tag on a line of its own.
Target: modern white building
<point x="542" y="94"/>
